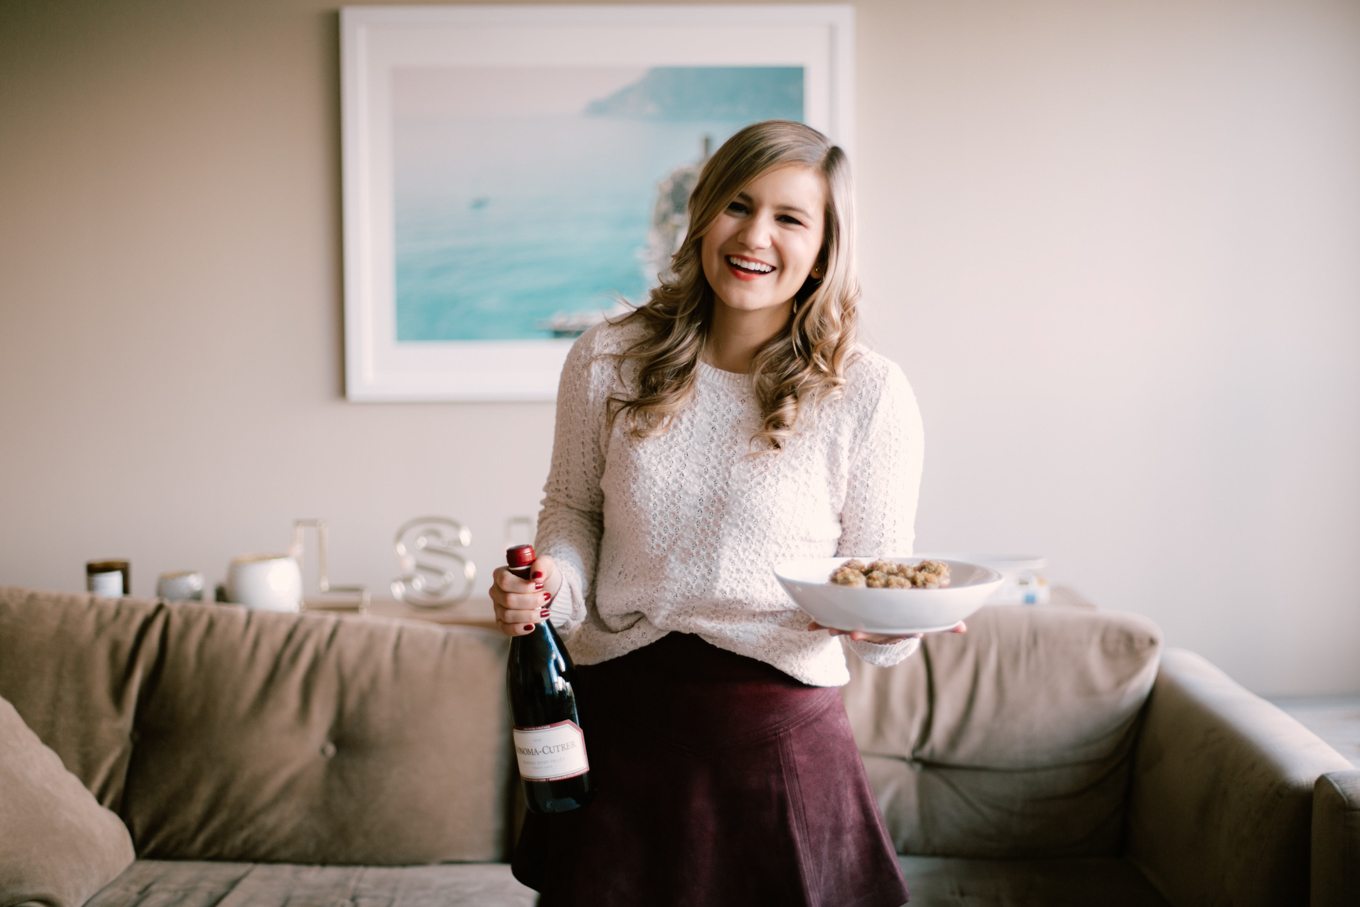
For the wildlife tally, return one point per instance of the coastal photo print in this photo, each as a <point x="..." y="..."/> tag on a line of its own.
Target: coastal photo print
<point x="519" y="190"/>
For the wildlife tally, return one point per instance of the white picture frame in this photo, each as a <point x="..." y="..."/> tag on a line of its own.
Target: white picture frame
<point x="396" y="59"/>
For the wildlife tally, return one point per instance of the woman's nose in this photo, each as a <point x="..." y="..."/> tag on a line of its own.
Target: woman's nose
<point x="755" y="234"/>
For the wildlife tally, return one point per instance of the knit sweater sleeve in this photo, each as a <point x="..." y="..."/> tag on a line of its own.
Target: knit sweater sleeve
<point x="879" y="515"/>
<point x="570" y="521"/>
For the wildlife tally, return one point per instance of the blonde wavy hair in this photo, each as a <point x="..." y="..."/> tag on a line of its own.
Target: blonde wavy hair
<point x="801" y="364"/>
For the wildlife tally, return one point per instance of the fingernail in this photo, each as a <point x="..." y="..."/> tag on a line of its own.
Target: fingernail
<point x="538" y="586"/>
<point x="528" y="626"/>
<point x="547" y="597"/>
<point x="543" y="613"/>
<point x="538" y="574"/>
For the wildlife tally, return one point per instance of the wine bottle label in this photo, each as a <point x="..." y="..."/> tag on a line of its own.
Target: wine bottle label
<point x="108" y="585"/>
<point x="552" y="752"/>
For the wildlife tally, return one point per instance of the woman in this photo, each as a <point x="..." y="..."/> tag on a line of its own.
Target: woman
<point x="729" y="423"/>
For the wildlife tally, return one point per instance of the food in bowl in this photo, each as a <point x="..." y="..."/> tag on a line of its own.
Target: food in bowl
<point x="885" y="574"/>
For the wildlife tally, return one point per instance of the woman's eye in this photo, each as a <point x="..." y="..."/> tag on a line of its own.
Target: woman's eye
<point x="736" y="207"/>
<point x="790" y="219"/>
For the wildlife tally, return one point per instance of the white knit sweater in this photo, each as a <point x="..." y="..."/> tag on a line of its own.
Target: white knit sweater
<point x="678" y="532"/>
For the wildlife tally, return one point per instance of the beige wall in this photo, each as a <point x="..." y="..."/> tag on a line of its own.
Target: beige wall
<point x="1113" y="244"/>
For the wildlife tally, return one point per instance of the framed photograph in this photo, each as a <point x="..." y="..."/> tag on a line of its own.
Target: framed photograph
<point x="514" y="174"/>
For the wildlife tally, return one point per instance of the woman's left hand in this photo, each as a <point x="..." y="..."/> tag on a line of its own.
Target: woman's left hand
<point x="878" y="638"/>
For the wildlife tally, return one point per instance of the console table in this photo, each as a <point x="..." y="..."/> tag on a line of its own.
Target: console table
<point x="475" y="611"/>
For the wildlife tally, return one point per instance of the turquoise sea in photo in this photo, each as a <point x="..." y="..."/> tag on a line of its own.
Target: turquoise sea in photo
<point x="506" y="220"/>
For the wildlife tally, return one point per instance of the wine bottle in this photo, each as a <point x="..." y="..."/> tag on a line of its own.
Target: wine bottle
<point x="549" y="745"/>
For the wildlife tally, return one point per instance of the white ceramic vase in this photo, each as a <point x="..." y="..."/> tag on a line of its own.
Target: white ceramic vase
<point x="269" y="582"/>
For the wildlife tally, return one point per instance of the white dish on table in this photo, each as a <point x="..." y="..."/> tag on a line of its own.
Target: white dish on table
<point x="887" y="611"/>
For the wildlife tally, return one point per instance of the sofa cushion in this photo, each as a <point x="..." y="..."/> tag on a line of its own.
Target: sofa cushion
<point x="73" y="670"/>
<point x="57" y="844"/>
<point x="311" y="738"/>
<point x="1012" y="740"/>
<point x="154" y="883"/>
<point x="963" y="882"/>
<point x="221" y="733"/>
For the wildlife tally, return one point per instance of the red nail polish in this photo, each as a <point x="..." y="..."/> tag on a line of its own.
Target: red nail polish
<point x="528" y="626"/>
<point x="543" y="613"/>
<point x="538" y="574"/>
<point x="538" y="586"/>
<point x="547" y="597"/>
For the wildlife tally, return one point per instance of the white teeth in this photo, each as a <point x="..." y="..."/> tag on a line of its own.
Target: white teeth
<point x="746" y="265"/>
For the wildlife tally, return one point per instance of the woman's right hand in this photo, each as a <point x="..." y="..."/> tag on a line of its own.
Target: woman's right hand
<point x="521" y="603"/>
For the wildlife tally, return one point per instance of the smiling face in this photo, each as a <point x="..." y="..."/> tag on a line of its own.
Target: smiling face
<point x="760" y="249"/>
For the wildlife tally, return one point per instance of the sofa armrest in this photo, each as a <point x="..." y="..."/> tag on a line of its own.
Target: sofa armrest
<point x="1220" y="809"/>
<point x="1336" y="840"/>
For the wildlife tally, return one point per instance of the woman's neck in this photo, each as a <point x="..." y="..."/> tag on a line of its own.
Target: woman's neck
<point x="734" y="338"/>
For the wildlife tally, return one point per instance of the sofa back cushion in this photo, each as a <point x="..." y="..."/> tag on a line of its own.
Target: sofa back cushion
<point x="300" y="738"/>
<point x="74" y="673"/>
<point x="1012" y="740"/>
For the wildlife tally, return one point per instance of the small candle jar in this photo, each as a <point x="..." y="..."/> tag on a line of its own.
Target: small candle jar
<point x="108" y="579"/>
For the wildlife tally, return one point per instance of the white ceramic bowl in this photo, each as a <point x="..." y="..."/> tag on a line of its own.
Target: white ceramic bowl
<point x="269" y="582"/>
<point x="892" y="611"/>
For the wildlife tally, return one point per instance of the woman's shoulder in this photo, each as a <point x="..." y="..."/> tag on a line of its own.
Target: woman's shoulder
<point x="873" y="384"/>
<point x="608" y="338"/>
<point x="877" y="393"/>
<point x="596" y="361"/>
<point x="870" y="376"/>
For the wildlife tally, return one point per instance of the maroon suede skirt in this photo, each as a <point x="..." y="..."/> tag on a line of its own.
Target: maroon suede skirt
<point x="719" y="780"/>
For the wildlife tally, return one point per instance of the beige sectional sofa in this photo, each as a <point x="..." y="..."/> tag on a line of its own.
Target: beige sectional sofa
<point x="212" y="755"/>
